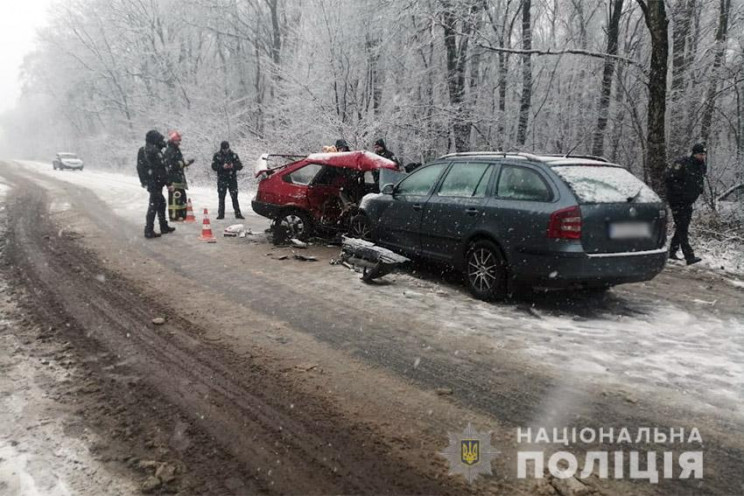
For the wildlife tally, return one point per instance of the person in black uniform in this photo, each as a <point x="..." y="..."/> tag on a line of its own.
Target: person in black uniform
<point x="153" y="176"/>
<point x="227" y="163"/>
<point x="684" y="183"/>
<point x="382" y="151"/>
<point x="176" y="165"/>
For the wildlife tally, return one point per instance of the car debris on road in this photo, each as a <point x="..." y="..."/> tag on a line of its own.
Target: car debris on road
<point x="374" y="260"/>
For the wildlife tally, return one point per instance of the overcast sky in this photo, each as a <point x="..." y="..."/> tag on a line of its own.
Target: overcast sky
<point x="19" y="20"/>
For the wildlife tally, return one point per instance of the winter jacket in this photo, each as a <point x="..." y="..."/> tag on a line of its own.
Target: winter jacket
<point x="220" y="159"/>
<point x="153" y="175"/>
<point x="390" y="156"/>
<point x="685" y="180"/>
<point x="175" y="165"/>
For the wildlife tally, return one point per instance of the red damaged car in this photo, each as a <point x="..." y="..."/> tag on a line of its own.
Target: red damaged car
<point x="318" y="194"/>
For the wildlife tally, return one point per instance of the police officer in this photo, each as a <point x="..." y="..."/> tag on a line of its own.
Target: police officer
<point x="153" y="176"/>
<point x="684" y="184"/>
<point x="382" y="151"/>
<point x="227" y="163"/>
<point x="175" y="164"/>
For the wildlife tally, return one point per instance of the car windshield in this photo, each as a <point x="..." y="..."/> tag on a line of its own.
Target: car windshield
<point x="603" y="184"/>
<point x="67" y="155"/>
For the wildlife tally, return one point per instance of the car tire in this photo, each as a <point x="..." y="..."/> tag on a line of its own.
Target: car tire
<point x="360" y="227"/>
<point x="486" y="271"/>
<point x="295" y="223"/>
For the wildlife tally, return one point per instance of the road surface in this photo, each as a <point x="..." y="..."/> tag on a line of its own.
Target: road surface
<point x="277" y="376"/>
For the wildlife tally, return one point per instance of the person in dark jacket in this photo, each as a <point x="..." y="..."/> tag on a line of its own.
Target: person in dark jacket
<point x="153" y="176"/>
<point x="382" y="151"/>
<point x="684" y="180"/>
<point x="176" y="165"/>
<point x="342" y="146"/>
<point x="227" y="163"/>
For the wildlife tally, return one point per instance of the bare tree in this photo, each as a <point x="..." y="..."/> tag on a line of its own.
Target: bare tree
<point x="654" y="13"/>
<point x="613" y="32"/>
<point x="525" y="101"/>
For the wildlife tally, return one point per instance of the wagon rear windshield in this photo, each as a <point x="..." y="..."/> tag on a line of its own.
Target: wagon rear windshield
<point x="603" y="184"/>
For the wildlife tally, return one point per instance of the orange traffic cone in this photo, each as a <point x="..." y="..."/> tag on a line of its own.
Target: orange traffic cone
<point x="189" y="212"/>
<point x="206" y="234"/>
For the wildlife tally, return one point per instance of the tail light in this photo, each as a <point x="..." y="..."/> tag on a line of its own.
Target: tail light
<point x="565" y="223"/>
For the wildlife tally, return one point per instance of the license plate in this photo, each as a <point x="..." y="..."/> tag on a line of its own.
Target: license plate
<point x="630" y="230"/>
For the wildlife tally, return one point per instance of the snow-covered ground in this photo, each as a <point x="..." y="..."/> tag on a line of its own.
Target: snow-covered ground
<point x="640" y="344"/>
<point x="129" y="200"/>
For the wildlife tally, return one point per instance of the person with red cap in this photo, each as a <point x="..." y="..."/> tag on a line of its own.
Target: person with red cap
<point x="176" y="165"/>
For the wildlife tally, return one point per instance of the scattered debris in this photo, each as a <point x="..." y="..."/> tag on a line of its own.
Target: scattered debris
<point x="158" y="321"/>
<point x="298" y="244"/>
<point x="307" y="367"/>
<point x="283" y="257"/>
<point x="151" y="484"/>
<point x="166" y="472"/>
<point x="234" y="230"/>
<point x="571" y="486"/>
<point x="305" y="258"/>
<point x="374" y="260"/>
<point x="443" y="391"/>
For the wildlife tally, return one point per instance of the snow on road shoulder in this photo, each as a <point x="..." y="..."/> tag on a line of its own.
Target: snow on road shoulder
<point x="619" y="339"/>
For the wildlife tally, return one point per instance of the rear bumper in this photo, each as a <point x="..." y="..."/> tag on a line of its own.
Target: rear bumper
<point x="269" y="210"/>
<point x="581" y="269"/>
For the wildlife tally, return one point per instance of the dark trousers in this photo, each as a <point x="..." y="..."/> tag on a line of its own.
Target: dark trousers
<point x="682" y="214"/>
<point x="177" y="204"/>
<point x="155" y="207"/>
<point x="222" y="188"/>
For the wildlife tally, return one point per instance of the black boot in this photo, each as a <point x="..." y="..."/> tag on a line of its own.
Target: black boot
<point x="166" y="229"/>
<point x="151" y="234"/>
<point x="238" y="215"/>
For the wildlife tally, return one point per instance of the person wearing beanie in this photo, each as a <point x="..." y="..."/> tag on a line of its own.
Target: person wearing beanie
<point x="685" y="180"/>
<point x="226" y="164"/>
<point x="382" y="151"/>
<point x="342" y="146"/>
<point x="153" y="176"/>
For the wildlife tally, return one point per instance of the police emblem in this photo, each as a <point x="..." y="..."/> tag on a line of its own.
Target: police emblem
<point x="469" y="453"/>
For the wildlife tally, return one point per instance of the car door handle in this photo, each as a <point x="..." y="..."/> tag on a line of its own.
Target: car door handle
<point x="417" y="206"/>
<point x="471" y="211"/>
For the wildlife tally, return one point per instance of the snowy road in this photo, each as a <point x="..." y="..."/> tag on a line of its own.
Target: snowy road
<point x="668" y="352"/>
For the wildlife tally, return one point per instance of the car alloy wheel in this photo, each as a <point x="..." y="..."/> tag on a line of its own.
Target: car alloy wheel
<point x="486" y="271"/>
<point x="295" y="224"/>
<point x="360" y="228"/>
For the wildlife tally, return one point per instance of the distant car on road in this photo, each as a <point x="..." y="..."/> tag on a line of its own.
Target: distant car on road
<point x="65" y="160"/>
<point x="509" y="219"/>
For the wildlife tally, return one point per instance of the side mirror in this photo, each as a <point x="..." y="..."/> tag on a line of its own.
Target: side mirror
<point x="387" y="189"/>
